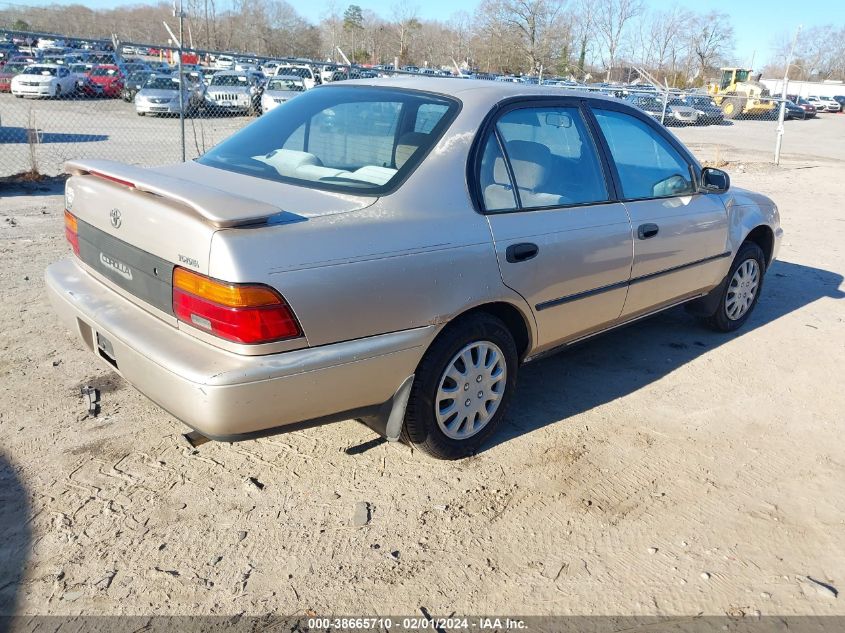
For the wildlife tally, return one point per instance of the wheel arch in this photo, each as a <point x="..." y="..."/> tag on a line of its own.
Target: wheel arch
<point x="515" y="321"/>
<point x="764" y="237"/>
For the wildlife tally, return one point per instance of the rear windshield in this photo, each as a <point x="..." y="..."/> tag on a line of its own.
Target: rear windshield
<point x="357" y="139"/>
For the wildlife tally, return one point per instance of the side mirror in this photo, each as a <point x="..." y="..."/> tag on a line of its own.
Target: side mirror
<point x="714" y="180"/>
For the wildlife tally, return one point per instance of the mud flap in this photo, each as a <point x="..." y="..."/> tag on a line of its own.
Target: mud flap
<point x="391" y="415"/>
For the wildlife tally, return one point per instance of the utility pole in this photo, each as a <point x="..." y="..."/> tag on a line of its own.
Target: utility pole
<point x="782" y="113"/>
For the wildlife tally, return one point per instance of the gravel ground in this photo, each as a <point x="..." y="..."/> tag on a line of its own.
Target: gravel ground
<point x="661" y="469"/>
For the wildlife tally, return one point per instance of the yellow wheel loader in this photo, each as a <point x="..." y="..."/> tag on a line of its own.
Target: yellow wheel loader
<point x="739" y="95"/>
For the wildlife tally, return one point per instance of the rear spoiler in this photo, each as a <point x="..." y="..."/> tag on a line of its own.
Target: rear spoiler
<point x="218" y="208"/>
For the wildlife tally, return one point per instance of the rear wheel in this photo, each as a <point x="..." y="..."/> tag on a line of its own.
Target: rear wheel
<point x="740" y="294"/>
<point x="462" y="388"/>
<point x="732" y="107"/>
<point x="57" y="94"/>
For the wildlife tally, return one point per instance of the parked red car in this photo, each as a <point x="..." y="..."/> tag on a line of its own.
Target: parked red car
<point x="104" y="81"/>
<point x="7" y="71"/>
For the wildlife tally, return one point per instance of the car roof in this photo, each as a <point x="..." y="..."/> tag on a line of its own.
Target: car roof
<point x="480" y="91"/>
<point x="292" y="77"/>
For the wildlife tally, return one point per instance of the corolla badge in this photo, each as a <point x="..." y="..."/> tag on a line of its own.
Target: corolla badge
<point x="116" y="265"/>
<point x="114" y="214"/>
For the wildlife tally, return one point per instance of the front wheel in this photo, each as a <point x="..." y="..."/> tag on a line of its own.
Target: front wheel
<point x="462" y="388"/>
<point x="740" y="294"/>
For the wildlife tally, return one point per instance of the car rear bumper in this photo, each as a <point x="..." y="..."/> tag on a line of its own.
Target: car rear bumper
<point x="224" y="395"/>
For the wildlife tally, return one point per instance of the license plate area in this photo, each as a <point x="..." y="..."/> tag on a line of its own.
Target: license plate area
<point x="106" y="350"/>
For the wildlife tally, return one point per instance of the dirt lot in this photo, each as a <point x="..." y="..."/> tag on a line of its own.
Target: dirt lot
<point x="662" y="469"/>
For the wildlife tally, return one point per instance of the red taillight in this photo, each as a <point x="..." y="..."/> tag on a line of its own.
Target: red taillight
<point x="243" y="313"/>
<point x="72" y="231"/>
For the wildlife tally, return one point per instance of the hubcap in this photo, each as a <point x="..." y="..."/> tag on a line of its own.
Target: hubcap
<point x="742" y="289"/>
<point x="470" y="390"/>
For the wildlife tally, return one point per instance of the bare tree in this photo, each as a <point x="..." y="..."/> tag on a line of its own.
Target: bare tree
<point x="405" y="23"/>
<point x="611" y="19"/>
<point x="712" y="40"/>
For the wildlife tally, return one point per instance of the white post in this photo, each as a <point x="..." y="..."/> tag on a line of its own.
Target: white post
<point x="782" y="112"/>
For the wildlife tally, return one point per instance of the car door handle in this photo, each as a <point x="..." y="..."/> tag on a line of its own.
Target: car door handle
<point x="521" y="252"/>
<point x="646" y="231"/>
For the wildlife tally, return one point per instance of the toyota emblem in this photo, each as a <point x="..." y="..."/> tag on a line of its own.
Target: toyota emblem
<point x="115" y="218"/>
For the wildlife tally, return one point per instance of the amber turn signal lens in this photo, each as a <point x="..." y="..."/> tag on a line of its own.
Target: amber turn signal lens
<point x="72" y="231"/>
<point x="221" y="293"/>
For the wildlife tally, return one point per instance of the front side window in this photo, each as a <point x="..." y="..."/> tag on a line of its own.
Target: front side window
<point x="552" y="157"/>
<point x="345" y="138"/>
<point x="648" y="165"/>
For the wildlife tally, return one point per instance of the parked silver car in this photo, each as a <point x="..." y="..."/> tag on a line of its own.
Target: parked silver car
<point x="305" y="270"/>
<point x="675" y="113"/>
<point x="160" y="95"/>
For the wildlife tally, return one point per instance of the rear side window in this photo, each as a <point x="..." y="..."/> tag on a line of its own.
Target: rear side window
<point x="342" y="138"/>
<point x="648" y="165"/>
<point x="552" y="159"/>
<point x="496" y="186"/>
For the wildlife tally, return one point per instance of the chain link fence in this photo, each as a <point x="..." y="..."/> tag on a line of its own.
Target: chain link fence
<point x="127" y="105"/>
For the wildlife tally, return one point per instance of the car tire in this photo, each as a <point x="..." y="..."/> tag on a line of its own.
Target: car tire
<point x="429" y="424"/>
<point x="139" y="113"/>
<point x="741" y="290"/>
<point x="57" y="94"/>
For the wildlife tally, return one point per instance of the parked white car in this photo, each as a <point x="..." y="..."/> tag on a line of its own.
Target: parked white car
<point x="824" y="104"/>
<point x="279" y="89"/>
<point x="44" y="80"/>
<point x="309" y="77"/>
<point x="224" y="62"/>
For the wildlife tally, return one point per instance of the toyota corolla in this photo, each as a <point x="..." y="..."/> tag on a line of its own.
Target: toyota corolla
<point x="306" y="270"/>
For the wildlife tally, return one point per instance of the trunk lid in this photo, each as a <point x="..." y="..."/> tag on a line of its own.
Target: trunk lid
<point x="136" y="224"/>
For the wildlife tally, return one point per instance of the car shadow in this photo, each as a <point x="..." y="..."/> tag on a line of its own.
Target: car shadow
<point x="26" y="135"/>
<point x="15" y="536"/>
<point x="24" y="185"/>
<point x="622" y="361"/>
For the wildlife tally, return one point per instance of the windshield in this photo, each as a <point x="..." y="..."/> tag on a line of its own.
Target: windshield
<point x="138" y="76"/>
<point x="341" y="138"/>
<point x="104" y="72"/>
<point x="12" y="69"/>
<point x="40" y="70"/>
<point x="296" y="72"/>
<point x="285" y="84"/>
<point x="742" y="75"/>
<point x="162" y="83"/>
<point x="229" y="80"/>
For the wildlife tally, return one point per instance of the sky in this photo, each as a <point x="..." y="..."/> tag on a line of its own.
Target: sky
<point x="757" y="23"/>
